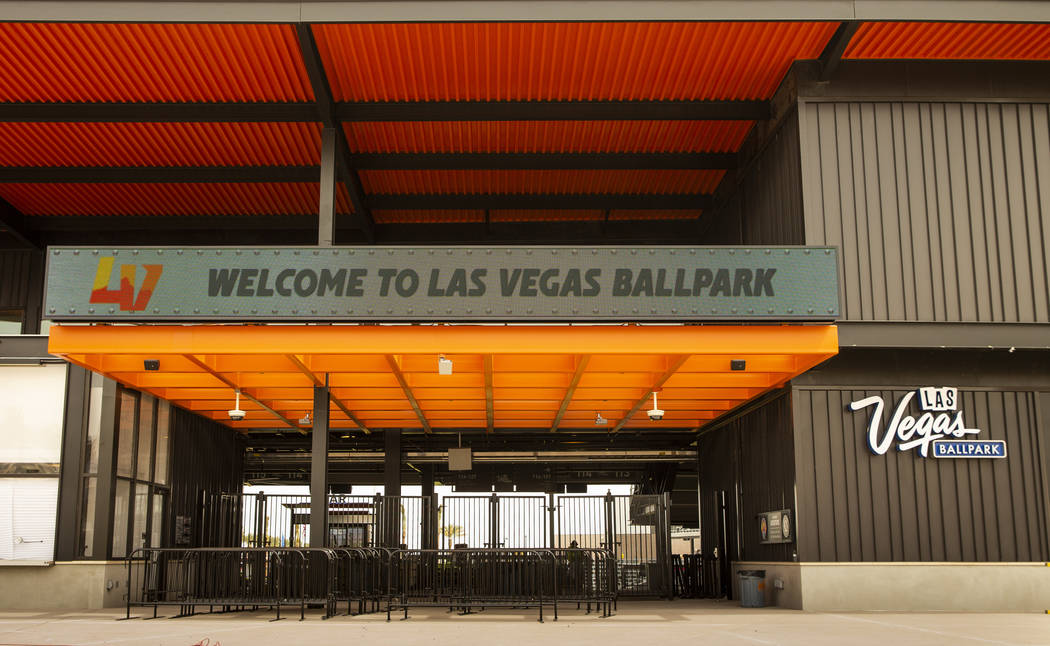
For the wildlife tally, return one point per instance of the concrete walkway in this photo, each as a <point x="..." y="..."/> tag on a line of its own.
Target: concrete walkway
<point x="674" y="623"/>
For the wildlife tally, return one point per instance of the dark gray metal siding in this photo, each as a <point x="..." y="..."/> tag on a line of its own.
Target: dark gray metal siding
<point x="751" y="459"/>
<point x="765" y="203"/>
<point x="22" y="284"/>
<point x="206" y="457"/>
<point x="941" y="210"/>
<point x="855" y="506"/>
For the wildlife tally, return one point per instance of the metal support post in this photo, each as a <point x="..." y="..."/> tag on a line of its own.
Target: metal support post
<point x="329" y="183"/>
<point x="319" y="470"/>
<point x="391" y="487"/>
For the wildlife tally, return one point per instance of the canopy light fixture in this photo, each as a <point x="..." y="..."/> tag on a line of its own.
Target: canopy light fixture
<point x="236" y="414"/>
<point x="737" y="364"/>
<point x="444" y="365"/>
<point x="151" y="364"/>
<point x="600" y="421"/>
<point x="305" y="419"/>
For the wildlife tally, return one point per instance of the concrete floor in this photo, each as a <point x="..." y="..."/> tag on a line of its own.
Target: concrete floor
<point x="636" y="623"/>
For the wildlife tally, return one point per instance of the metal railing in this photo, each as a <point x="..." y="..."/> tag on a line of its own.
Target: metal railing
<point x="368" y="579"/>
<point x="697" y="576"/>
<point x="230" y="579"/>
<point x="469" y="579"/>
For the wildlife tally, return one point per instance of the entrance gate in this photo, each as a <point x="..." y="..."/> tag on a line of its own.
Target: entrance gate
<point x="635" y="529"/>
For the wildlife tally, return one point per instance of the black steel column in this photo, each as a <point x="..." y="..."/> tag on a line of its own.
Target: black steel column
<point x="319" y="470"/>
<point x="392" y="462"/>
<point x="426" y="478"/>
<point x="105" y="488"/>
<point x="74" y="428"/>
<point x="392" y="487"/>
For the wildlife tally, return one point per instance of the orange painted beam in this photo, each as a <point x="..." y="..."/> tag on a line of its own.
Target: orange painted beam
<point x="160" y="340"/>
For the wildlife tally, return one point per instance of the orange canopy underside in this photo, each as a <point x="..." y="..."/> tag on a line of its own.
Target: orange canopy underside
<point x="504" y="377"/>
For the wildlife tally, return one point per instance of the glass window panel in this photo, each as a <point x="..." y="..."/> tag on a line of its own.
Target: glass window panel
<point x="94" y="426"/>
<point x="120" y="519"/>
<point x="87" y="518"/>
<point x="160" y="465"/>
<point x="126" y="429"/>
<point x="138" y="531"/>
<point x="145" y="447"/>
<point x="32" y="402"/>
<point x="157" y="520"/>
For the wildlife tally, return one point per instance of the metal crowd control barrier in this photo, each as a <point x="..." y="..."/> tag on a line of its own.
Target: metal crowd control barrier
<point x="468" y="579"/>
<point x="231" y="579"/>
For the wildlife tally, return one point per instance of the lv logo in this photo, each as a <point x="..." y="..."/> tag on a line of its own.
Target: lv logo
<point x="124" y="295"/>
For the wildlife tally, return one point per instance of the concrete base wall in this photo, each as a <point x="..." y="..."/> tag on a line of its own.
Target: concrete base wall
<point x="74" y="585"/>
<point x="789" y="574"/>
<point x="905" y="587"/>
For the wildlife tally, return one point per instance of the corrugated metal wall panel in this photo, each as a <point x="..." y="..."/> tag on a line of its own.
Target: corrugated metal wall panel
<point x="765" y="206"/>
<point x="206" y="457"/>
<point x="545" y="136"/>
<point x="940" y="209"/>
<point x="15" y="266"/>
<point x="84" y="61"/>
<point x="22" y="285"/>
<point x="752" y="460"/>
<point x="855" y="506"/>
<point x="160" y="144"/>
<point x="503" y="61"/>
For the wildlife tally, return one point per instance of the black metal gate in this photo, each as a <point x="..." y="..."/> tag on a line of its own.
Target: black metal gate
<point x="634" y="529"/>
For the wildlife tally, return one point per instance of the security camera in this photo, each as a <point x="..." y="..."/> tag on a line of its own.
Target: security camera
<point x="236" y="414"/>
<point x="655" y="413"/>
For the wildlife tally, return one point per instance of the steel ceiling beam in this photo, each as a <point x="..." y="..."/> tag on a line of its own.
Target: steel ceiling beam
<point x="346" y="174"/>
<point x="544" y="161"/>
<point x="395" y="368"/>
<point x="490" y="415"/>
<point x="301" y="111"/>
<point x="588" y="201"/>
<point x="581" y="365"/>
<point x="298" y="362"/>
<point x="379" y="161"/>
<point x="672" y="368"/>
<point x="554" y="111"/>
<point x="246" y="393"/>
<point x="836" y="47"/>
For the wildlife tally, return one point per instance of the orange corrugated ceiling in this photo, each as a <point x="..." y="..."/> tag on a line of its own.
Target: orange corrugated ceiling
<point x="275" y="198"/>
<point x="540" y="181"/>
<point x="546" y="136"/>
<point x="160" y="144"/>
<point x="951" y="40"/>
<point x="82" y="61"/>
<point x="564" y="61"/>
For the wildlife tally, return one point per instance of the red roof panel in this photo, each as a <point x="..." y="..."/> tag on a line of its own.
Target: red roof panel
<point x="951" y="40"/>
<point x="546" y="136"/>
<point x="542" y="61"/>
<point x="81" y="61"/>
<point x="159" y="144"/>
<point x="277" y="198"/>
<point x="541" y="181"/>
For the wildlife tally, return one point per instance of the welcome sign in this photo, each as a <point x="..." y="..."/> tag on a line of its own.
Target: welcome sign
<point x="442" y="283"/>
<point x="940" y="427"/>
